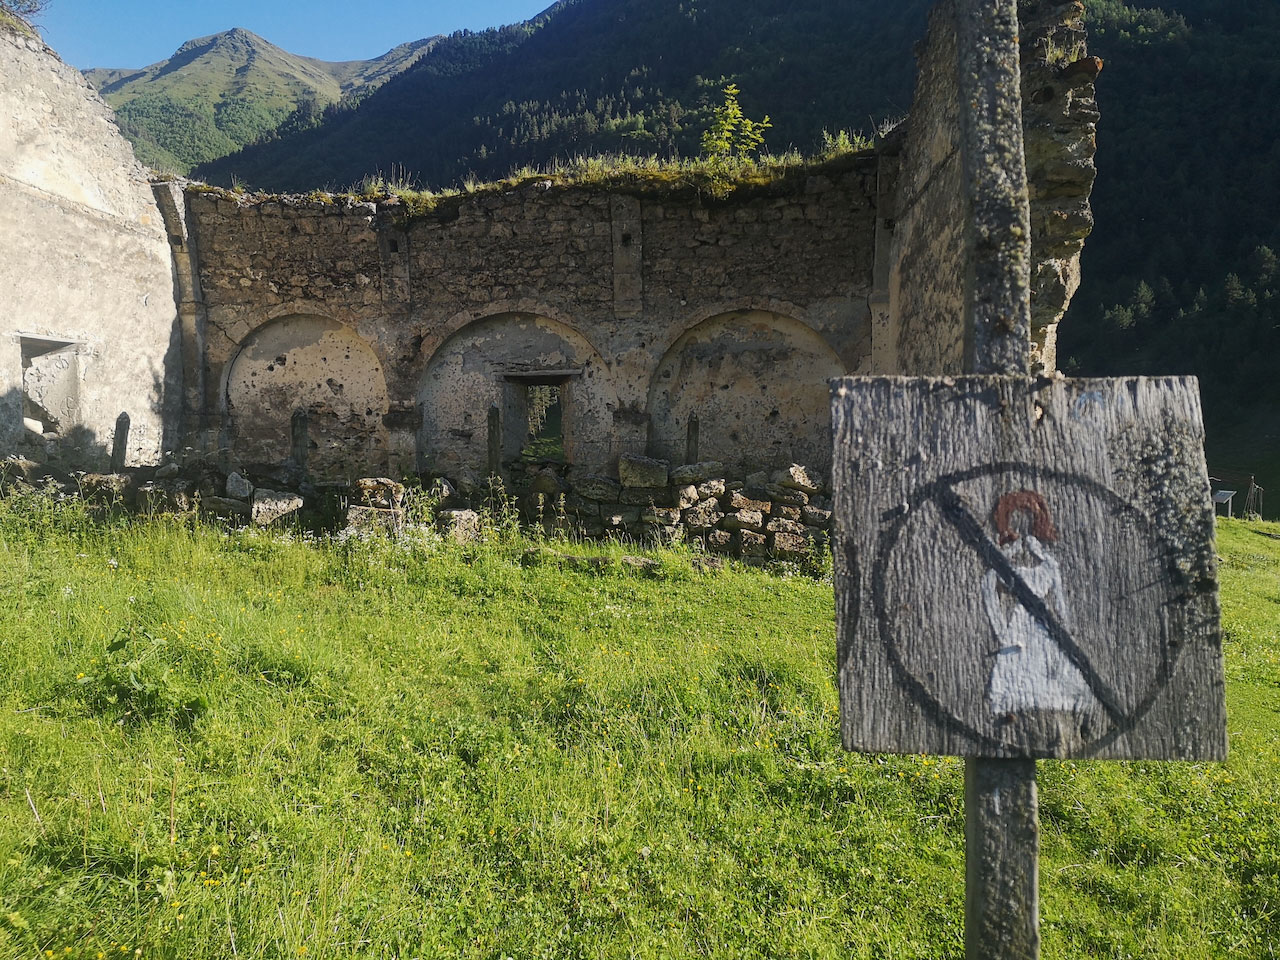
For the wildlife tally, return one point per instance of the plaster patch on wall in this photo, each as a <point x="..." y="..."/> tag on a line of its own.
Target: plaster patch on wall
<point x="757" y="381"/>
<point x="485" y="364"/>
<point x="319" y="366"/>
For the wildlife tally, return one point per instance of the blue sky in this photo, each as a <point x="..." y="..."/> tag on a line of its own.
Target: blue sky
<point x="134" y="33"/>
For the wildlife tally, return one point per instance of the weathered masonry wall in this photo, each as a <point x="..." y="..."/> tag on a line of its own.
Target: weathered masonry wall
<point x="1060" y="117"/>
<point x="86" y="281"/>
<point x="920" y="281"/>
<point x="397" y="337"/>
<point x="651" y="357"/>
<point x="926" y="264"/>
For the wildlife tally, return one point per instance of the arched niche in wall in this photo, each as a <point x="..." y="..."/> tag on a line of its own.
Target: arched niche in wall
<point x="756" y="381"/>
<point x="317" y="366"/>
<point x="522" y="364"/>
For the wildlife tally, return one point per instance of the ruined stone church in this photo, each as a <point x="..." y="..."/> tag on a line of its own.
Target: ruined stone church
<point x="255" y="331"/>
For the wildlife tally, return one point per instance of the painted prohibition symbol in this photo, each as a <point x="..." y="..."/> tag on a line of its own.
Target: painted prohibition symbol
<point x="1023" y="640"/>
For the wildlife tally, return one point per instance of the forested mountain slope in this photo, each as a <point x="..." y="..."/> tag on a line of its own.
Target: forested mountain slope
<point x="218" y="93"/>
<point x="1180" y="273"/>
<point x="591" y="76"/>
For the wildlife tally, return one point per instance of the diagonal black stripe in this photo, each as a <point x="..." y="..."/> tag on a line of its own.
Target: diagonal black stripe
<point x="971" y="532"/>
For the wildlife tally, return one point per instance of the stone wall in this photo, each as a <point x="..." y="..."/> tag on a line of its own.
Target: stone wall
<point x="645" y="308"/>
<point x="546" y="332"/>
<point x="926" y="264"/>
<point x="1060" y="115"/>
<point x="919" y="302"/>
<point x="86" y="282"/>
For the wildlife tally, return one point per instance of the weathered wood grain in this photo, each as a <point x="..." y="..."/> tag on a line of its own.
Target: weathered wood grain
<point x="1002" y="860"/>
<point x="1025" y="568"/>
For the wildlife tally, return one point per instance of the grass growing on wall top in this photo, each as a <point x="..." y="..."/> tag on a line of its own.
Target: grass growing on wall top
<point x="653" y="176"/>
<point x="219" y="745"/>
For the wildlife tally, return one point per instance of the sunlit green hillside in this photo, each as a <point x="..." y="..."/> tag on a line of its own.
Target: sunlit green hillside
<point x="218" y="93"/>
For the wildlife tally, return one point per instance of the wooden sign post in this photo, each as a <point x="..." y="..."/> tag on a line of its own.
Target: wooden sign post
<point x="1024" y="566"/>
<point x="1024" y="569"/>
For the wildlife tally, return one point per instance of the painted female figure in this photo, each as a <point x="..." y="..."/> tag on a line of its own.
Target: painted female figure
<point x="1031" y="671"/>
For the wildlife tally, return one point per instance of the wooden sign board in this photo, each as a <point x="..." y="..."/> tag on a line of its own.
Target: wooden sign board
<point x="1025" y="568"/>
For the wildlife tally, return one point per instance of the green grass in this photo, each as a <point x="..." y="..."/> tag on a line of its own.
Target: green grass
<point x="16" y="23"/>
<point x="712" y="179"/>
<point x="231" y="744"/>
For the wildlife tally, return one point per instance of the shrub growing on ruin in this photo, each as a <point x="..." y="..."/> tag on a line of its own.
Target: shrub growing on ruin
<point x="732" y="135"/>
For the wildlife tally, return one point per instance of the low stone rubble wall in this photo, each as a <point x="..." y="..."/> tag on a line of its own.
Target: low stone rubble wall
<point x="781" y="514"/>
<point x="784" y="514"/>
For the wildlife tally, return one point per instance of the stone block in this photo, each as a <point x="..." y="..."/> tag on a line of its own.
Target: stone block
<point x="661" y="516"/>
<point x="166" y="496"/>
<point x="719" y="541"/>
<point x="640" y="564"/>
<point x="617" y="515"/>
<point x="642" y="472"/>
<point x="237" y="487"/>
<point x="786" y="526"/>
<point x="743" y="520"/>
<point x="14" y="468"/>
<point x="797" y="477"/>
<point x="788" y="544"/>
<point x="272" y="505"/>
<point x="686" y="496"/>
<point x="747" y="543"/>
<point x="377" y="492"/>
<point x="590" y="526"/>
<point x="108" y="489"/>
<point x="704" y="516"/>
<point x="643" y="496"/>
<point x="580" y="506"/>
<point x="600" y="489"/>
<point x="816" y="517"/>
<point x="368" y="519"/>
<point x="784" y="511"/>
<point x="696" y="473"/>
<point x="788" y="496"/>
<point x="225" y="507"/>
<point x="710" y="489"/>
<point x="658" y="532"/>
<point x="442" y="491"/>
<point x="462" y="526"/>
<point x="547" y="481"/>
<point x="738" y="500"/>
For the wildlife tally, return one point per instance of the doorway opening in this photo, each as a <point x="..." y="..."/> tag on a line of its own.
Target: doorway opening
<point x="545" y="439"/>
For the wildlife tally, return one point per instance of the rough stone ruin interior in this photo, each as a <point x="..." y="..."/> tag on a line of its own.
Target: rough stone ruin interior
<point x="651" y="360"/>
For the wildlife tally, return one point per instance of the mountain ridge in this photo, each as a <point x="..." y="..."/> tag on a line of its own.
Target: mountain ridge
<point x="220" y="92"/>
<point x="590" y="76"/>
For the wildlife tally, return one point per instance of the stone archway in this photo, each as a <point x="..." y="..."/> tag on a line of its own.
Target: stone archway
<point x="318" y="366"/>
<point x="756" y="380"/>
<point x="495" y="362"/>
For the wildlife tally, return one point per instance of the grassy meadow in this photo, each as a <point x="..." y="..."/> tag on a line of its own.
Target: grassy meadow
<point x="224" y="744"/>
